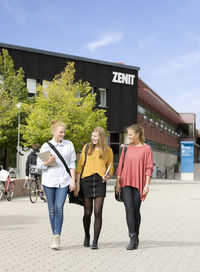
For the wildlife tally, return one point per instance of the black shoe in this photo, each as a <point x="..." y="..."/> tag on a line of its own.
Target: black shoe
<point x="134" y="242"/>
<point x="86" y="242"/>
<point x="94" y="245"/>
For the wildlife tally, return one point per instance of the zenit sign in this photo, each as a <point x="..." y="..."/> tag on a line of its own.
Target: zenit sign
<point x="123" y="78"/>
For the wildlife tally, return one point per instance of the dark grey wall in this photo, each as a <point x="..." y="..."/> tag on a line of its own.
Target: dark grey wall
<point x="121" y="98"/>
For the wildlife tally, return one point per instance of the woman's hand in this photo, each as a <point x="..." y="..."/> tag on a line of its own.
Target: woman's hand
<point x="117" y="187"/>
<point x="51" y="159"/>
<point x="146" y="190"/>
<point x="72" y="185"/>
<point x="77" y="189"/>
<point x="105" y="178"/>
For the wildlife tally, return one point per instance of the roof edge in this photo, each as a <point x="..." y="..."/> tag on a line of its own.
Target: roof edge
<point x="45" y="52"/>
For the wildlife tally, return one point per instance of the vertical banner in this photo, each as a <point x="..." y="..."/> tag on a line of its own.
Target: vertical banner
<point x="187" y="160"/>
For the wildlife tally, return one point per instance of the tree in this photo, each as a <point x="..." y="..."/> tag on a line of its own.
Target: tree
<point x="12" y="91"/>
<point x="68" y="101"/>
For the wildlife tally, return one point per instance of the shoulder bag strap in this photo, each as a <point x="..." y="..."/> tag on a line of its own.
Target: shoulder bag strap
<point x="60" y="157"/>
<point x="125" y="149"/>
<point x="86" y="151"/>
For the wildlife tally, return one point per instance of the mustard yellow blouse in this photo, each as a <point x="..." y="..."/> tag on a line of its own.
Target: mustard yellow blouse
<point x="95" y="165"/>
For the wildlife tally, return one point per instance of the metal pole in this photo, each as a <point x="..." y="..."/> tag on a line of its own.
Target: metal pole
<point x="18" y="145"/>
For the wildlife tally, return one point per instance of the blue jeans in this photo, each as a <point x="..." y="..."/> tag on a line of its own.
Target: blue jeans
<point x="56" y="199"/>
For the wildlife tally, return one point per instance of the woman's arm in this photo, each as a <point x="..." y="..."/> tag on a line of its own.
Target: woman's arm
<point x="117" y="188"/>
<point x="72" y="183"/>
<point x="78" y="177"/>
<point x="119" y="168"/>
<point x="81" y="161"/>
<point x="109" y="161"/>
<point x="148" y="171"/>
<point x="147" y="185"/>
<point x="118" y="172"/>
<point x="79" y="170"/>
<point x="77" y="184"/>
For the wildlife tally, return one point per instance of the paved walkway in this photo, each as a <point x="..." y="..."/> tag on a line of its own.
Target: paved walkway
<point x="169" y="238"/>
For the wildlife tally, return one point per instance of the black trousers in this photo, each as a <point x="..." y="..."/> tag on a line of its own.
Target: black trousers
<point x="132" y="201"/>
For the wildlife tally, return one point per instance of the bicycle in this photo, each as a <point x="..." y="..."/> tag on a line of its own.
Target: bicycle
<point x="34" y="185"/>
<point x="7" y="185"/>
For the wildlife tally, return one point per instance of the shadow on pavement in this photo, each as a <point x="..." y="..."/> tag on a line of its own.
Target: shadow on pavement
<point x="143" y="244"/>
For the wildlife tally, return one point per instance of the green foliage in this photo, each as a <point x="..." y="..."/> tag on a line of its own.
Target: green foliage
<point x="67" y="101"/>
<point x="10" y="80"/>
<point x="12" y="91"/>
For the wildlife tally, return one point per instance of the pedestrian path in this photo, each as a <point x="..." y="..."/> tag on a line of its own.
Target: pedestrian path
<point x="169" y="236"/>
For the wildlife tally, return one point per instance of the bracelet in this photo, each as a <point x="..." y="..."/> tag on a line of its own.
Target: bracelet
<point x="147" y="185"/>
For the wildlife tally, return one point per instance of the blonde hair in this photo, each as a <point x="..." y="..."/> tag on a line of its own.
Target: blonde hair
<point x="55" y="124"/>
<point x="101" y="142"/>
<point x="138" y="129"/>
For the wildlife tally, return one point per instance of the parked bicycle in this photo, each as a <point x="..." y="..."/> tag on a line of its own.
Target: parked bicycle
<point x="7" y="184"/>
<point x="34" y="186"/>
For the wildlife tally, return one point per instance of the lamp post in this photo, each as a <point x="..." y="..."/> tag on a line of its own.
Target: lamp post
<point x="18" y="138"/>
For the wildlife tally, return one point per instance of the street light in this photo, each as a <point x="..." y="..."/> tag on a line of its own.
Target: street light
<point x="18" y="138"/>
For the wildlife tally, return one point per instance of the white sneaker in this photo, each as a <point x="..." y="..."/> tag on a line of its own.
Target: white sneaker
<point x="56" y="242"/>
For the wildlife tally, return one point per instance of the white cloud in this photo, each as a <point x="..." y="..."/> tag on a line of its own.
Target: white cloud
<point x="105" y="40"/>
<point x="179" y="63"/>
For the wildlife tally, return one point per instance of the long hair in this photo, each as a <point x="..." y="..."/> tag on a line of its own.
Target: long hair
<point x="55" y="124"/>
<point x="101" y="143"/>
<point x="138" y="129"/>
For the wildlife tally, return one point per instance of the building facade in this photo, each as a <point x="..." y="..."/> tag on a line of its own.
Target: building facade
<point x="124" y="96"/>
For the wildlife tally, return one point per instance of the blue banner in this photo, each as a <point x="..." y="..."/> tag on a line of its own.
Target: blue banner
<point x="187" y="157"/>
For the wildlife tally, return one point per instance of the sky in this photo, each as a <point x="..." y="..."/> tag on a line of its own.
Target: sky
<point x="161" y="37"/>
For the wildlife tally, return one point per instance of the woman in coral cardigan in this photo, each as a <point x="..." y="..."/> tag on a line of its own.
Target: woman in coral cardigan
<point x="133" y="178"/>
<point x="93" y="182"/>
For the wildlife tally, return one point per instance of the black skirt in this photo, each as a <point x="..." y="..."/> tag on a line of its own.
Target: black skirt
<point x="93" y="186"/>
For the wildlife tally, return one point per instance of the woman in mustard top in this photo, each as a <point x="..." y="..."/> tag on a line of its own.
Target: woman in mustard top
<point x="93" y="181"/>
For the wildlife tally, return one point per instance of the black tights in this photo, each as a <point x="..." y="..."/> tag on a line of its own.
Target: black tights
<point x="88" y="208"/>
<point x="132" y="202"/>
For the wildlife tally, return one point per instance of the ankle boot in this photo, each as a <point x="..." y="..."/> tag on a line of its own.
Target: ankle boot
<point x="134" y="241"/>
<point x="86" y="242"/>
<point x="94" y="245"/>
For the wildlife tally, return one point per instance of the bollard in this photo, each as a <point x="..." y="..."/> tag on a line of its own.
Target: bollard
<point x="166" y="173"/>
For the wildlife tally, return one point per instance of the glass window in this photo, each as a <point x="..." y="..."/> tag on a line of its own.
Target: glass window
<point x="186" y="130"/>
<point x="45" y="84"/>
<point x="141" y="109"/>
<point x="92" y="91"/>
<point x="1" y="79"/>
<point x="102" y="97"/>
<point x="31" y="85"/>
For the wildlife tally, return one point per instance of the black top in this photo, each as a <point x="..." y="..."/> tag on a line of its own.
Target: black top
<point x="32" y="159"/>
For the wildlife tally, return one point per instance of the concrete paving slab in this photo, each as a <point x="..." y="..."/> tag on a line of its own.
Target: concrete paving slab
<point x="169" y="236"/>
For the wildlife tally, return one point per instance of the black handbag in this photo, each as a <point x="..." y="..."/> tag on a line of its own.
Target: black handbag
<point x="78" y="199"/>
<point x="75" y="199"/>
<point x="72" y="198"/>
